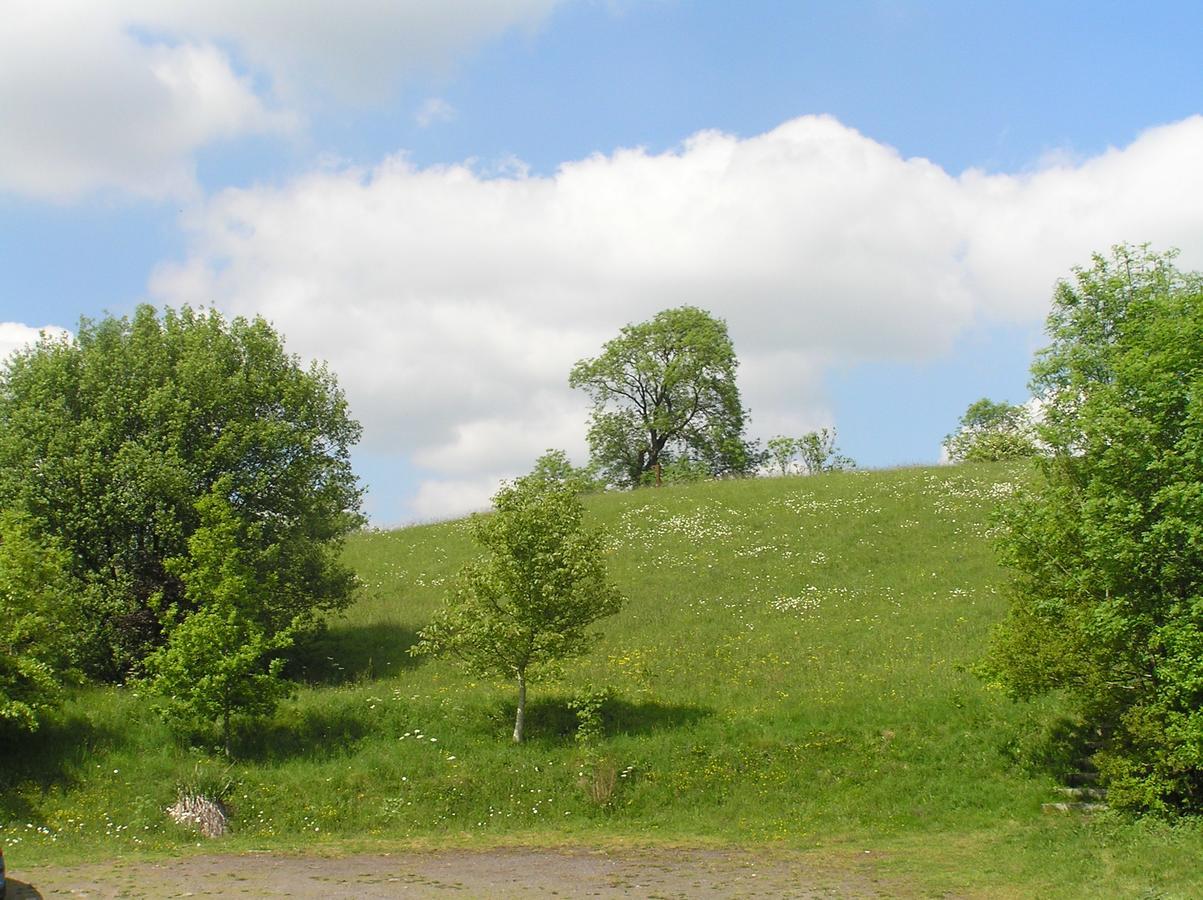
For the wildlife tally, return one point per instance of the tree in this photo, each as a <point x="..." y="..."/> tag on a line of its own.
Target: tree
<point x="990" y="431"/>
<point x="664" y="391"/>
<point x="33" y="590"/>
<point x="815" y="451"/>
<point x="554" y="467"/>
<point x="220" y="665"/>
<point x="818" y="452"/>
<point x="108" y="441"/>
<point x="1107" y="548"/>
<point x="782" y="450"/>
<point x="531" y="599"/>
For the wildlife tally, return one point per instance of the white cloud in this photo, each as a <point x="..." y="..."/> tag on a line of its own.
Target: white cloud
<point x="433" y="111"/>
<point x="351" y="50"/>
<point x="121" y="95"/>
<point x="87" y="106"/>
<point x="439" y="499"/>
<point x="16" y="335"/>
<point x="453" y="303"/>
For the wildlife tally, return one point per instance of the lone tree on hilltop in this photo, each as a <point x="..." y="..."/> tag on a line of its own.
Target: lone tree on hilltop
<point x="664" y="392"/>
<point x="531" y="599"/>
<point x="112" y="441"/>
<point x="1107" y="547"/>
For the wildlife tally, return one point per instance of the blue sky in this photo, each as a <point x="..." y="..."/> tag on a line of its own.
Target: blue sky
<point x="451" y="202"/>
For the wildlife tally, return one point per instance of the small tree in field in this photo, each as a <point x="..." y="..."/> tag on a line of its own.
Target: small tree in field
<point x="782" y="450"/>
<point x="819" y="453"/>
<point x="531" y="599"/>
<point x="554" y="467"/>
<point x="220" y="665"/>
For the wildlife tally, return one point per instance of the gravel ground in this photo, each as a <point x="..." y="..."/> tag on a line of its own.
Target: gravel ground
<point x="495" y="874"/>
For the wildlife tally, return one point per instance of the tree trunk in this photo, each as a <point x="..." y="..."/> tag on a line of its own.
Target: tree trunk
<point x="520" y="718"/>
<point x="658" y="482"/>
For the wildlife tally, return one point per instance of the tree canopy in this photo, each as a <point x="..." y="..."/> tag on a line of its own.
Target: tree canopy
<point x="992" y="431"/>
<point x="531" y="598"/>
<point x="664" y="392"/>
<point x="1107" y="548"/>
<point x="111" y="441"/>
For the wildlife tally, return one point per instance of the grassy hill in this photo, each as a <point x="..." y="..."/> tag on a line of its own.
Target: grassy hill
<point x="791" y="669"/>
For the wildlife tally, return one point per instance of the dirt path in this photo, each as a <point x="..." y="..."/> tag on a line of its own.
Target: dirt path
<point x="494" y="874"/>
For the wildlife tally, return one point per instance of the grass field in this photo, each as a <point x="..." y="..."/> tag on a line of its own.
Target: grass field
<point x="791" y="670"/>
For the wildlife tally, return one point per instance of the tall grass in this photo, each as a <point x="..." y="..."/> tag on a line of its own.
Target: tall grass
<point x="792" y="666"/>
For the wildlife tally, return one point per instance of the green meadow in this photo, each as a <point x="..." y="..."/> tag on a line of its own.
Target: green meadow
<point x="792" y="670"/>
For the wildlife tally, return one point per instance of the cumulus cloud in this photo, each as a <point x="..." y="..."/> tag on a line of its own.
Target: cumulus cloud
<point x="121" y="95"/>
<point x="86" y="105"/>
<point x="452" y="303"/>
<point x="17" y="335"/>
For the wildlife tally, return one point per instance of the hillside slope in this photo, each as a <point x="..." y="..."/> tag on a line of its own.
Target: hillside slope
<point x="791" y="667"/>
<point x="791" y="659"/>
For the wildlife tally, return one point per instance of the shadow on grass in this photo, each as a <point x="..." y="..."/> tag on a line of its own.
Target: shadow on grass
<point x="549" y="720"/>
<point x="345" y="654"/>
<point x="307" y="732"/>
<point x="1060" y="748"/>
<point x="54" y="756"/>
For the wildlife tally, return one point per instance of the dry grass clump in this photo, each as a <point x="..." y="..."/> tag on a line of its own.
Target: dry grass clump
<point x="197" y="811"/>
<point x="599" y="784"/>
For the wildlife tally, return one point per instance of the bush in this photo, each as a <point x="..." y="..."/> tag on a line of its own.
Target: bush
<point x="1107" y="549"/>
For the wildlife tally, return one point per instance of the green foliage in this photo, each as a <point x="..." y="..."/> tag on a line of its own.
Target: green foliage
<point x="814" y="452"/>
<point x="587" y="703"/>
<point x="1108" y="549"/>
<point x="782" y="450"/>
<point x="34" y="591"/>
<point x="108" y="440"/>
<point x="221" y="665"/>
<point x="531" y="599"/>
<point x="678" y="471"/>
<point x="817" y="453"/>
<point x="555" y="468"/>
<point x="990" y="432"/>
<point x="663" y="391"/>
<point x="208" y="779"/>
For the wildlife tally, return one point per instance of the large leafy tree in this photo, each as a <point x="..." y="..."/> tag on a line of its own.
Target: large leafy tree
<point x="1108" y="546"/>
<point x="532" y="597"/>
<point x="664" y="392"/>
<point x="109" y="440"/>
